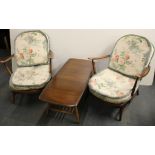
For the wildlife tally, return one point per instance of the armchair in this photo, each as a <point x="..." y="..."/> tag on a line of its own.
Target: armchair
<point x="129" y="63"/>
<point x="33" y="58"/>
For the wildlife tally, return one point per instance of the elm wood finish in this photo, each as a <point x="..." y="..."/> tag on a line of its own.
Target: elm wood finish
<point x="97" y="59"/>
<point x="31" y="91"/>
<point x="67" y="87"/>
<point x="5" y="62"/>
<point x="133" y="93"/>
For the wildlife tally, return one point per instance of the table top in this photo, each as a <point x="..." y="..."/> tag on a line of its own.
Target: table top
<point x="69" y="84"/>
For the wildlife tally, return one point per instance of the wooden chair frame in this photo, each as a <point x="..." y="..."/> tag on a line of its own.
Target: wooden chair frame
<point x="122" y="105"/>
<point x="31" y="91"/>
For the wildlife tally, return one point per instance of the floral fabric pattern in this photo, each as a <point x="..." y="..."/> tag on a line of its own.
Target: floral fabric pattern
<point x="31" y="76"/>
<point x="31" y="48"/>
<point x="111" y="100"/>
<point x="130" y="55"/>
<point x="109" y="83"/>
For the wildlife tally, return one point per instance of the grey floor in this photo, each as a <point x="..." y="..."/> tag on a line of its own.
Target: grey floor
<point x="29" y="111"/>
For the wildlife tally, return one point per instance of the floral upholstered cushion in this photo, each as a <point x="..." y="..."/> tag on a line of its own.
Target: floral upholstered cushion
<point x="15" y="87"/>
<point x="130" y="55"/>
<point x="31" y="76"/>
<point x="31" y="48"/>
<point x="111" y="100"/>
<point x="109" y="83"/>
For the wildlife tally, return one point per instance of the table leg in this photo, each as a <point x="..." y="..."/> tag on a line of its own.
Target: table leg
<point x="77" y="114"/>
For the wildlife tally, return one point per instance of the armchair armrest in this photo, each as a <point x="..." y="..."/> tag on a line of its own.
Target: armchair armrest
<point x="96" y="59"/>
<point x="5" y="60"/>
<point x="99" y="58"/>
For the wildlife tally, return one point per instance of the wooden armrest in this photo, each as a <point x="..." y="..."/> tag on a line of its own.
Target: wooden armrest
<point x="144" y="73"/>
<point x="98" y="58"/>
<point x="7" y="59"/>
<point x="4" y="62"/>
<point x="50" y="54"/>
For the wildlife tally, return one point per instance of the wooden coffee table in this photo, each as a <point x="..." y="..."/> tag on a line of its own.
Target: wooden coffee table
<point x="64" y="91"/>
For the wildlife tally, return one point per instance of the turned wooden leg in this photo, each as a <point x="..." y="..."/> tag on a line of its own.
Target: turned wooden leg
<point x="77" y="114"/>
<point x="120" y="113"/>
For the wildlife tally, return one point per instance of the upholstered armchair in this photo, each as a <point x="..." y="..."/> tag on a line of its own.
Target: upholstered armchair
<point x="33" y="58"/>
<point x="129" y="63"/>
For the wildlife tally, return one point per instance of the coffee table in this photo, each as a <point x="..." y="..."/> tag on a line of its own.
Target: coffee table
<point x="64" y="91"/>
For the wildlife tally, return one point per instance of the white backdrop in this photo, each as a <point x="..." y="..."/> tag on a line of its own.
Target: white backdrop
<point x="84" y="43"/>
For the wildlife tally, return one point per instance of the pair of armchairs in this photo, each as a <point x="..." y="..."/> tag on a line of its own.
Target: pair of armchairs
<point x="117" y="85"/>
<point x="129" y="63"/>
<point x="34" y="66"/>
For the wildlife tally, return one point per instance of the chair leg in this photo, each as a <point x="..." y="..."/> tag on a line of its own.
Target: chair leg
<point x="120" y="113"/>
<point x="138" y="92"/>
<point x="77" y="114"/>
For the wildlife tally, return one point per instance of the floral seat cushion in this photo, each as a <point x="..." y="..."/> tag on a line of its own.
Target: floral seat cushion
<point x="109" y="83"/>
<point x="111" y="100"/>
<point x="34" y="76"/>
<point x="131" y="55"/>
<point x="31" y="48"/>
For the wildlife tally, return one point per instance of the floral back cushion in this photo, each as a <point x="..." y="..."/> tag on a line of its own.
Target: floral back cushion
<point x="31" y="48"/>
<point x="131" y="55"/>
